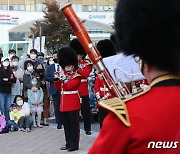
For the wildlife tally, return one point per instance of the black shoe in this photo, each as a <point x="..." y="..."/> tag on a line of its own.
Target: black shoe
<point x="88" y="132"/>
<point x="59" y="126"/>
<point x="72" y="149"/>
<point x="65" y="148"/>
<point x="46" y="124"/>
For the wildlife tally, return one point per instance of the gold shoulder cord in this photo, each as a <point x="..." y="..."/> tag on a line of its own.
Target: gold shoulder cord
<point x="118" y="107"/>
<point x="76" y="75"/>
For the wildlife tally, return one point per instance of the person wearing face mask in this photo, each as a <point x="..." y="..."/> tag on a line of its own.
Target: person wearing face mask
<point x="40" y="70"/>
<point x="33" y="56"/>
<point x="50" y="61"/>
<point x="35" y="100"/>
<point x="11" y="53"/>
<point x="7" y="78"/>
<point x="49" y="76"/>
<point x="16" y="119"/>
<point x="25" y="109"/>
<point x="27" y="77"/>
<point x="18" y="73"/>
<point x="40" y="57"/>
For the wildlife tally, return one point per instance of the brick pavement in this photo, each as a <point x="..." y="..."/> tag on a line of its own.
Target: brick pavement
<point x="46" y="140"/>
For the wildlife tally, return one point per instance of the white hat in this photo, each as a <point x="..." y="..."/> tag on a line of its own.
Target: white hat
<point x="4" y="58"/>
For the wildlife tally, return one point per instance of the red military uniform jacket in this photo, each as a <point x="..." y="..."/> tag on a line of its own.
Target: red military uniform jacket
<point x="154" y="116"/>
<point x="84" y="70"/>
<point x="70" y="99"/>
<point x="100" y="88"/>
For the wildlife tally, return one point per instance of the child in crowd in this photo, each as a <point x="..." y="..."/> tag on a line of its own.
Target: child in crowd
<point x="35" y="100"/>
<point x="3" y="127"/>
<point x="16" y="119"/>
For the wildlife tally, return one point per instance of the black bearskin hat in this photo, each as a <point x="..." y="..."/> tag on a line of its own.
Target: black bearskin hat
<point x="113" y="39"/>
<point x="78" y="48"/>
<point x="106" y="48"/>
<point x="150" y="29"/>
<point x="67" y="56"/>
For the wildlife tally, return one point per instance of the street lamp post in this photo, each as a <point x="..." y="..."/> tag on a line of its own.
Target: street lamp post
<point x="40" y="37"/>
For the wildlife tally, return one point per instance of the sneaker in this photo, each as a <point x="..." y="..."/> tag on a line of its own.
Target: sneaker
<point x="21" y="129"/>
<point x="35" y="126"/>
<point x="46" y="124"/>
<point x="88" y="132"/>
<point x="40" y="126"/>
<point x="27" y="130"/>
<point x="12" y="128"/>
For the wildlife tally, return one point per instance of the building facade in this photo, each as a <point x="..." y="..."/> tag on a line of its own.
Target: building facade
<point x="78" y="5"/>
<point x="15" y="25"/>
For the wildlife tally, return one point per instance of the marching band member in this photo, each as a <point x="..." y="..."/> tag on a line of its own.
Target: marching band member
<point x="106" y="49"/>
<point x="68" y="82"/>
<point x="85" y="68"/>
<point x="148" y="29"/>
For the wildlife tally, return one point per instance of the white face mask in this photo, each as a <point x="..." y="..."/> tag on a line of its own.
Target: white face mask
<point x="15" y="110"/>
<point x="32" y="56"/>
<point x="51" y="62"/>
<point x="5" y="63"/>
<point x="15" y="63"/>
<point x="20" y="102"/>
<point x="30" y="68"/>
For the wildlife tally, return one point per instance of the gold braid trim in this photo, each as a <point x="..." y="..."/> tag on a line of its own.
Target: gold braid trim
<point x="163" y="78"/>
<point x="76" y="75"/>
<point x="118" y="107"/>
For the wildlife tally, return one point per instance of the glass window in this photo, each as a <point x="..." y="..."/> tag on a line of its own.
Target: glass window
<point x="101" y="8"/>
<point x="17" y="36"/>
<point x="79" y="7"/>
<point x="106" y="8"/>
<point x="74" y="7"/>
<point x="89" y="8"/>
<point x="94" y="8"/>
<point x="28" y="7"/>
<point x="16" y="7"/>
<point x="39" y="7"/>
<point x="21" y="7"/>
<point x="111" y="8"/>
<point x="11" y="7"/>
<point x="4" y="7"/>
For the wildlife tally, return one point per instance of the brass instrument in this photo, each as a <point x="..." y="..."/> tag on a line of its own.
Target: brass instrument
<point x="122" y="86"/>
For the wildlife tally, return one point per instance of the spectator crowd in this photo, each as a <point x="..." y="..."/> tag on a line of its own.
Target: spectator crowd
<point x="67" y="78"/>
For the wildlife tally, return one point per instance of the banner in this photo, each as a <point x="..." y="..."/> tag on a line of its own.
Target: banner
<point x="37" y="44"/>
<point x="8" y="19"/>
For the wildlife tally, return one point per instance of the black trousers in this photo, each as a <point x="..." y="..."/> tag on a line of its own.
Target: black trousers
<point x="71" y="128"/>
<point x="102" y="114"/>
<point x="58" y="114"/>
<point x="86" y="113"/>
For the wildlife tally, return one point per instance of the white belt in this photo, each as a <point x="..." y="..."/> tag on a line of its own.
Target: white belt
<point x="69" y="92"/>
<point x="104" y="89"/>
<point x="83" y="80"/>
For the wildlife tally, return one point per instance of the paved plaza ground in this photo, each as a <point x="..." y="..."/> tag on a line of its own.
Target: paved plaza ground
<point x="46" y="140"/>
